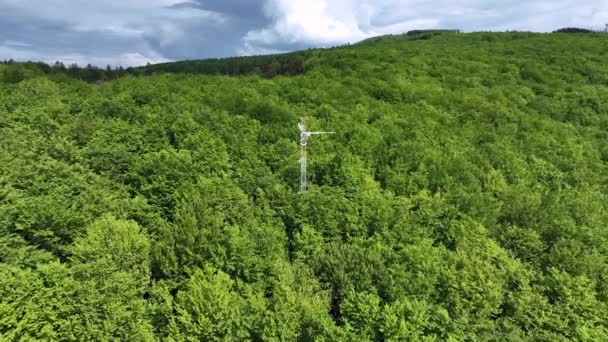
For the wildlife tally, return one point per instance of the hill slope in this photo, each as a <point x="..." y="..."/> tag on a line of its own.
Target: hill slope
<point x="463" y="197"/>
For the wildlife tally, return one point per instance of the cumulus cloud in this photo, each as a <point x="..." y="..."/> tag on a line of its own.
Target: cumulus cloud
<point x="134" y="32"/>
<point x="336" y="21"/>
<point x="330" y="22"/>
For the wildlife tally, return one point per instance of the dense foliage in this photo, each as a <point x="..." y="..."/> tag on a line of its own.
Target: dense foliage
<point x="573" y="30"/>
<point x="288" y="64"/>
<point x="464" y="197"/>
<point x="268" y="66"/>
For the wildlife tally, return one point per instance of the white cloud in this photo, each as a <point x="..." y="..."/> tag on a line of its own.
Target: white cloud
<point x="17" y="44"/>
<point x="251" y="50"/>
<point x="330" y="22"/>
<point x="325" y="22"/>
<point x="126" y="59"/>
<point x="308" y="21"/>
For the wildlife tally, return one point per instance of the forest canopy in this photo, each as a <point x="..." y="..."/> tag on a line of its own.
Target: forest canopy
<point x="464" y="195"/>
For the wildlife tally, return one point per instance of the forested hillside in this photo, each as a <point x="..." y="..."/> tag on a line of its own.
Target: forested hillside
<point x="464" y="197"/>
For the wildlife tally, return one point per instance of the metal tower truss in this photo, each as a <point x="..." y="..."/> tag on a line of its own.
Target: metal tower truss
<point x="304" y="135"/>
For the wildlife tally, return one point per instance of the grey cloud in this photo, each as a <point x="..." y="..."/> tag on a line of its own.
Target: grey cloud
<point x="247" y="10"/>
<point x="52" y="39"/>
<point x="215" y="41"/>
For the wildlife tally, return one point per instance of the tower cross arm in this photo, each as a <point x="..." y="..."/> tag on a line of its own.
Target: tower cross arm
<point x="310" y="133"/>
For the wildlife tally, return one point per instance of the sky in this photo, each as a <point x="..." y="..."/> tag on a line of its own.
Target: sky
<point x="136" y="32"/>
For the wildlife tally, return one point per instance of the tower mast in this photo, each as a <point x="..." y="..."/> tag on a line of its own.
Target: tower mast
<point x="304" y="134"/>
<point x="302" y="166"/>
